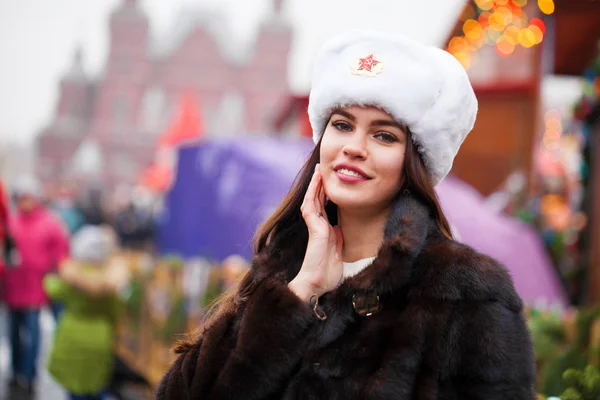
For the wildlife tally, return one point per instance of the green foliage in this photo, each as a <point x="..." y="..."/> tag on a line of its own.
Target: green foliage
<point x="586" y="318"/>
<point x="557" y="246"/>
<point x="526" y="216"/>
<point x="556" y="351"/>
<point x="550" y="382"/>
<point x="547" y="332"/>
<point x="582" y="384"/>
<point x="173" y="261"/>
<point x="571" y="394"/>
<point x="133" y="301"/>
<point x="176" y="321"/>
<point x="213" y="290"/>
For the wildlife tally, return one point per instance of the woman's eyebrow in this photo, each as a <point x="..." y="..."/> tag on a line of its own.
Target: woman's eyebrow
<point x="379" y="122"/>
<point x="387" y="122"/>
<point x="344" y="114"/>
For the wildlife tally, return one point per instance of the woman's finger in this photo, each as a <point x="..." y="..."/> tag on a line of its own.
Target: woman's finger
<point x="310" y="210"/>
<point x="308" y="203"/>
<point x="318" y="190"/>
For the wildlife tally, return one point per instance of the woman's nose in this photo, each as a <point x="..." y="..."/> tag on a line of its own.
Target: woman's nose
<point x="356" y="146"/>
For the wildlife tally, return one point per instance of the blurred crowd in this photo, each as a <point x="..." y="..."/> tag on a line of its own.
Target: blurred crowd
<point x="57" y="252"/>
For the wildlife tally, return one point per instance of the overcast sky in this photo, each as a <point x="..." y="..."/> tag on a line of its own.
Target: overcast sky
<point x="38" y="38"/>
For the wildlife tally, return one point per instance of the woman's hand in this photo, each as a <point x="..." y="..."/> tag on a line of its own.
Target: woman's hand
<point x="322" y="268"/>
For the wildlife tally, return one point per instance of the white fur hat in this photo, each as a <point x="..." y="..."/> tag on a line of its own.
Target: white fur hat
<point x="422" y="87"/>
<point x="92" y="243"/>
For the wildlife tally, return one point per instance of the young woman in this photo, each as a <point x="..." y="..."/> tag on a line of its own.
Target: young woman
<point x="357" y="289"/>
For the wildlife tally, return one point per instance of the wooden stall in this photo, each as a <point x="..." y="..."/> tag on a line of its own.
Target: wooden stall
<point x="593" y="287"/>
<point x="168" y="299"/>
<point x="576" y="43"/>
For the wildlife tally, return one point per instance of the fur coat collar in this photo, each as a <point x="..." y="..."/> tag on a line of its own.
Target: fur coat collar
<point x="413" y="245"/>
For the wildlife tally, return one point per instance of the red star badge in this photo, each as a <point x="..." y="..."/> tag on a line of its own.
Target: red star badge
<point x="367" y="63"/>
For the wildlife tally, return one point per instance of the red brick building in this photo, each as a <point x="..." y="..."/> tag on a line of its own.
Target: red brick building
<point x="109" y="125"/>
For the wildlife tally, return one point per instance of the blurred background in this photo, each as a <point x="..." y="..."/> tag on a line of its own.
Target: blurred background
<point x="179" y="126"/>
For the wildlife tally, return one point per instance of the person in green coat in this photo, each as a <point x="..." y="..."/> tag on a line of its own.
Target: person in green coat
<point x="81" y="359"/>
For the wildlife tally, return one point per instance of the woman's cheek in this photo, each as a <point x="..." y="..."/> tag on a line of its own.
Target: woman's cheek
<point x="393" y="165"/>
<point x="327" y="176"/>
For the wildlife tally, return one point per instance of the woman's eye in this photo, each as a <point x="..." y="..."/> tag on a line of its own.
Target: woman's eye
<point x="386" y="137"/>
<point x="342" y="126"/>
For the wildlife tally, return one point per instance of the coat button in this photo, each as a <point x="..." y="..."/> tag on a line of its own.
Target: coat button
<point x="366" y="305"/>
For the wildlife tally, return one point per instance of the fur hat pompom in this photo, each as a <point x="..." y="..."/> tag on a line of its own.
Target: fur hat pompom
<point x="422" y="87"/>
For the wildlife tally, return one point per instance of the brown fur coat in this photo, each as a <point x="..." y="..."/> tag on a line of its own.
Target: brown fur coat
<point x="450" y="326"/>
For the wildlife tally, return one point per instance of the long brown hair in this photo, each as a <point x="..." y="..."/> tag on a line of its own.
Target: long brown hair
<point x="285" y="235"/>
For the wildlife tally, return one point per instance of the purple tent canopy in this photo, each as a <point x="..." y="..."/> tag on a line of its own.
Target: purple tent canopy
<point x="510" y="241"/>
<point x="224" y="189"/>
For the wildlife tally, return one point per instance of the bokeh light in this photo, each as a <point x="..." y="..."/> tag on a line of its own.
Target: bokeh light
<point x="484" y="19"/>
<point x="546" y="6"/>
<point x="457" y="44"/>
<point x="526" y="38"/>
<point x="463" y="58"/>
<point x="512" y="32"/>
<point x="492" y="36"/>
<point x="552" y="115"/>
<point x="539" y="23"/>
<point x="499" y="23"/>
<point x="519" y="3"/>
<point x="477" y="44"/>
<point x="485" y="4"/>
<point x="537" y="33"/>
<point x="473" y="30"/>
<point x="517" y="12"/>
<point x="521" y="21"/>
<point x="506" y="13"/>
<point x="505" y="46"/>
<point x="496" y="21"/>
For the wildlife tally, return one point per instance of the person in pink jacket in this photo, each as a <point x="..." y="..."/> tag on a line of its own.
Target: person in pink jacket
<point x="3" y="226"/>
<point x="42" y="243"/>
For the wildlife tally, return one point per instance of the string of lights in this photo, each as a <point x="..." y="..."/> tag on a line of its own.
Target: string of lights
<point x="500" y="23"/>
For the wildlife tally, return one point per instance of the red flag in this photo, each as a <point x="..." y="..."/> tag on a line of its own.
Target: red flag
<point x="156" y="177"/>
<point x="187" y="123"/>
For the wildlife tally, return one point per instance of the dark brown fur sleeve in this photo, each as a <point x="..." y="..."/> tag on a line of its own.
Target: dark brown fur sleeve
<point x="252" y="352"/>
<point x="494" y="353"/>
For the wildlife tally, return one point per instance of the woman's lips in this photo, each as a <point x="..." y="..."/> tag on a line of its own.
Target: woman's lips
<point x="349" y="176"/>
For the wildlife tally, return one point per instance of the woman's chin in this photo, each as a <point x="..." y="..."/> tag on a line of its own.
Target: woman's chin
<point x="348" y="202"/>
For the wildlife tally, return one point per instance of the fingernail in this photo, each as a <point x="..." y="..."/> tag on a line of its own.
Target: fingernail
<point x="316" y="166"/>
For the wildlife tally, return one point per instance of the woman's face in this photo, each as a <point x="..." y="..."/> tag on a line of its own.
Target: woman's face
<point x="26" y="203"/>
<point x="362" y="158"/>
